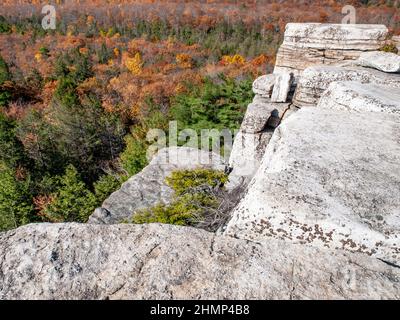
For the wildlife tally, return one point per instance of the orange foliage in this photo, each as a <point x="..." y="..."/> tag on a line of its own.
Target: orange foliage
<point x="134" y="64"/>
<point x="236" y="59"/>
<point x="184" y="60"/>
<point x="41" y="202"/>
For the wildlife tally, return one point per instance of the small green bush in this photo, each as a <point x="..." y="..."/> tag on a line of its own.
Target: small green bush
<point x="186" y="180"/>
<point x="194" y="198"/>
<point x="389" y="47"/>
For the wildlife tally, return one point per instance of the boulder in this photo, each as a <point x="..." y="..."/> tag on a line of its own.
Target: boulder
<point x="358" y="97"/>
<point x="148" y="187"/>
<point x="328" y="178"/>
<point x="259" y="112"/>
<point x="396" y="40"/>
<point x="383" y="61"/>
<point x="83" y="261"/>
<point x="315" y="80"/>
<point x="307" y="44"/>
<point x="283" y="83"/>
<point x="263" y="85"/>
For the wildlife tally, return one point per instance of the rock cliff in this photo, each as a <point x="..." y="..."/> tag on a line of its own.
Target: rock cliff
<point x="328" y="178"/>
<point x="307" y="44"/>
<point x="330" y="175"/>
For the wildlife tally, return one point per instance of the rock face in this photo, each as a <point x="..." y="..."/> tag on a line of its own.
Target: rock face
<point x="355" y="96"/>
<point x="396" y="40"/>
<point x="148" y="187"/>
<point x="77" y="261"/>
<point x="261" y="118"/>
<point x="315" y="80"/>
<point x="307" y="44"/>
<point x="383" y="61"/>
<point x="331" y="179"/>
<point x="283" y="83"/>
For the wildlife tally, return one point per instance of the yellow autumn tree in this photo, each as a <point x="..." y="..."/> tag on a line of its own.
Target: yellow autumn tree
<point x="184" y="60"/>
<point x="135" y="64"/>
<point x="236" y="59"/>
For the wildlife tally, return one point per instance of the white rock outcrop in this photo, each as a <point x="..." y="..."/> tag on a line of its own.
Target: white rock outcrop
<point x="383" y="61"/>
<point x="78" y="261"/>
<point x="148" y="187"/>
<point x="315" y="80"/>
<point x="307" y="44"/>
<point x="328" y="178"/>
<point x="358" y="97"/>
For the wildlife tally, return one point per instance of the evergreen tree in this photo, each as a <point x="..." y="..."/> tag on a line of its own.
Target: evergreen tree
<point x="16" y="206"/>
<point x="5" y="75"/>
<point x="11" y="149"/>
<point x="73" y="201"/>
<point x="106" y="185"/>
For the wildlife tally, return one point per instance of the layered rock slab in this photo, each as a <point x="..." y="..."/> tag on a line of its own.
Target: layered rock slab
<point x="328" y="178"/>
<point x="81" y="261"/>
<point x="307" y="44"/>
<point x="315" y="80"/>
<point x="358" y="97"/>
<point x="148" y="187"/>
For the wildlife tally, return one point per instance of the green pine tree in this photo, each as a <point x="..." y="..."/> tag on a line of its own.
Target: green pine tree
<point x="5" y="75"/>
<point x="16" y="206"/>
<point x="73" y="201"/>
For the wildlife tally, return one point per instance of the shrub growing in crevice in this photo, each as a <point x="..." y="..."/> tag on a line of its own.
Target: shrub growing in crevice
<point x="200" y="201"/>
<point x="389" y="47"/>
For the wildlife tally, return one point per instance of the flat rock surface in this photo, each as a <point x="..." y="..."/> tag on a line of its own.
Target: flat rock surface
<point x="358" y="97"/>
<point x="83" y="261"/>
<point x="328" y="178"/>
<point x="315" y="80"/>
<point x="148" y="187"/>
<point x="383" y="61"/>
